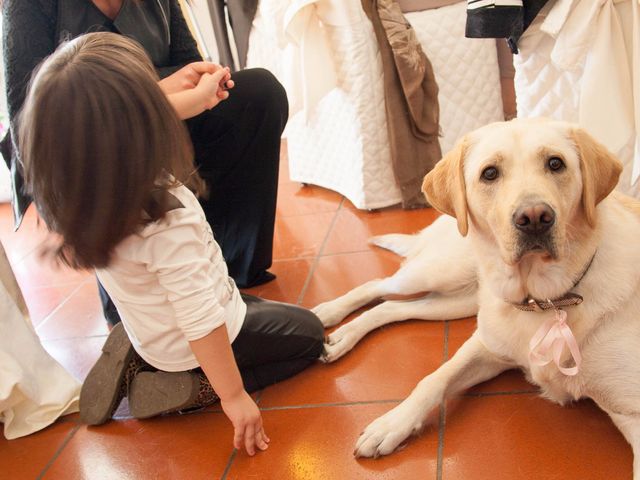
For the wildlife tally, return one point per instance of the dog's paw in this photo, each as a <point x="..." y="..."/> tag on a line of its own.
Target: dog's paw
<point x="336" y="350"/>
<point x="338" y="344"/>
<point x="329" y="314"/>
<point x="385" y="434"/>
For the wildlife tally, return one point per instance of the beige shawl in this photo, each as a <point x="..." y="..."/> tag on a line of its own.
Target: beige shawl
<point x="411" y="99"/>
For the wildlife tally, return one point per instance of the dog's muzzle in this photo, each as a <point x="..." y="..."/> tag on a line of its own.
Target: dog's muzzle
<point x="534" y="221"/>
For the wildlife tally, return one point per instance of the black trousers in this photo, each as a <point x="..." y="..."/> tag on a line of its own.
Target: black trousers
<point x="277" y="340"/>
<point x="237" y="150"/>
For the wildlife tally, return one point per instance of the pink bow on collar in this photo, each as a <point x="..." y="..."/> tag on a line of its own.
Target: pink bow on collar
<point x="548" y="344"/>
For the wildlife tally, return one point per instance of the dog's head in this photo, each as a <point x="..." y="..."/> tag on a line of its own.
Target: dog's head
<point x="524" y="185"/>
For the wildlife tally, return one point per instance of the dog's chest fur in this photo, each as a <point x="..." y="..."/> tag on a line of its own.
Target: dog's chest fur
<point x="606" y="325"/>
<point x="506" y="332"/>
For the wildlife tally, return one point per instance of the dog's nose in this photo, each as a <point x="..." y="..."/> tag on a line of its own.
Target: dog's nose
<point x="534" y="219"/>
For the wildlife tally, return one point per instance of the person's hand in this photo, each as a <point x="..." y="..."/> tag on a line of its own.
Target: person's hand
<point x="189" y="76"/>
<point x="210" y="87"/>
<point x="247" y="423"/>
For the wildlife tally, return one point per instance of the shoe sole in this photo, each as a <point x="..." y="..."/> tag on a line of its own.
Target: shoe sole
<point x="99" y="392"/>
<point x="155" y="393"/>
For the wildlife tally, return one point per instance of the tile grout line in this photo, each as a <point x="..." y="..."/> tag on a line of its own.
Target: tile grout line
<point x="61" y="304"/>
<point x="312" y="270"/>
<point x="60" y="339"/>
<point x="329" y="404"/>
<point x="443" y="407"/>
<point x="388" y="400"/>
<point x="497" y="394"/>
<point x="59" y="451"/>
<point x="307" y="257"/>
<point x="232" y="457"/>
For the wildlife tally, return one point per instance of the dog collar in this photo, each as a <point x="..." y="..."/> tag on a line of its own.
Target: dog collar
<point x="549" y="342"/>
<point x="569" y="299"/>
<point x="532" y="305"/>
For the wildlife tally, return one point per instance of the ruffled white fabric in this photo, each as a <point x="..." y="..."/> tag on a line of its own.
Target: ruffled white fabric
<point x="34" y="389"/>
<point x="597" y="43"/>
<point x="309" y="73"/>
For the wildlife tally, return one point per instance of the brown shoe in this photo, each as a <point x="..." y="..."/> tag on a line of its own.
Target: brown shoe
<point x="155" y="393"/>
<point x="103" y="390"/>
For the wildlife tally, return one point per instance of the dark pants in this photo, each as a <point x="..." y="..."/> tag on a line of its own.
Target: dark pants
<point x="237" y="150"/>
<point x="277" y="340"/>
<point x="237" y="147"/>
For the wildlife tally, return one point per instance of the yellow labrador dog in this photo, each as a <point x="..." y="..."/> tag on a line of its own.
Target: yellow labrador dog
<point x="544" y="253"/>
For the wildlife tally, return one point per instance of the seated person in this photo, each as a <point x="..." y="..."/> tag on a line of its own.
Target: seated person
<point x="236" y="145"/>
<point x="110" y="168"/>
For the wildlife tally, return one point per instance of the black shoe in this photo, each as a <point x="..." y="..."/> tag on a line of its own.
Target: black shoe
<point x="260" y="279"/>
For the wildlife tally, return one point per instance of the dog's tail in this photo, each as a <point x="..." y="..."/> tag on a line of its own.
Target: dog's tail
<point x="399" y="243"/>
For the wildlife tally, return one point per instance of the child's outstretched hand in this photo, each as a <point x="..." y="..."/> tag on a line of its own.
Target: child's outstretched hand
<point x="247" y="423"/>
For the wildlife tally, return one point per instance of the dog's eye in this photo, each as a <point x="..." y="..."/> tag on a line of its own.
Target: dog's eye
<point x="489" y="174"/>
<point x="555" y="164"/>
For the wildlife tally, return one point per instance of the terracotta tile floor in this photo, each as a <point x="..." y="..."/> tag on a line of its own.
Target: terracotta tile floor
<point x="498" y="430"/>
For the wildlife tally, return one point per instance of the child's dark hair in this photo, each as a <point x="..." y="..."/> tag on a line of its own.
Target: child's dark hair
<point x="98" y="141"/>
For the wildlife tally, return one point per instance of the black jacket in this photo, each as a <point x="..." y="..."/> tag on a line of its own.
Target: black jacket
<point x="32" y="29"/>
<point x="498" y="21"/>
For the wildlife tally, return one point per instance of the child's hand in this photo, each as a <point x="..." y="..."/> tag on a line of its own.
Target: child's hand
<point x="247" y="423"/>
<point x="212" y="87"/>
<point x="187" y="77"/>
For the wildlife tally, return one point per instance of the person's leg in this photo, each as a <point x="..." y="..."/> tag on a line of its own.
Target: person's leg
<point x="107" y="383"/>
<point x="237" y="149"/>
<point x="277" y="341"/>
<point x="157" y="393"/>
<point x="109" y="309"/>
<point x="120" y="372"/>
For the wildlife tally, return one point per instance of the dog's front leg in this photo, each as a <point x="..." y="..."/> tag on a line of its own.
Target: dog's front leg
<point x="428" y="274"/>
<point x="430" y="307"/>
<point x="471" y="364"/>
<point x="333" y="312"/>
<point x="629" y="425"/>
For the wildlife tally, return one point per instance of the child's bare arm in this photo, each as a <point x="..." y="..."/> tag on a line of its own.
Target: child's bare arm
<point x="205" y="95"/>
<point x="216" y="359"/>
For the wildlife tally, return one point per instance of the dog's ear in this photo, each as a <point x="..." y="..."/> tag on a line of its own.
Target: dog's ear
<point x="600" y="171"/>
<point x="445" y="189"/>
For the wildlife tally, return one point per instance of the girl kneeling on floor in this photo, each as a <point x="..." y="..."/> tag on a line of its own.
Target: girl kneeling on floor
<point x="110" y="167"/>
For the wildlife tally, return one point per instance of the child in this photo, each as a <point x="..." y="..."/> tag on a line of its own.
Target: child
<point x="108" y="163"/>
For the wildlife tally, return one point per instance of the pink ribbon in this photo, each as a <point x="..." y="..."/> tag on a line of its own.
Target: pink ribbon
<point x="548" y="344"/>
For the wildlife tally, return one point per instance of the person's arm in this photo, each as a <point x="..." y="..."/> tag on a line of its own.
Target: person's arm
<point x="177" y="249"/>
<point x="183" y="48"/>
<point x="216" y="358"/>
<point x="187" y="77"/>
<point x="28" y="28"/>
<point x="206" y="95"/>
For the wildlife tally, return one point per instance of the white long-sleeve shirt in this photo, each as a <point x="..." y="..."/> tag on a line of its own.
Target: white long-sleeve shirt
<point x="171" y="286"/>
